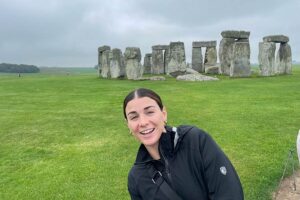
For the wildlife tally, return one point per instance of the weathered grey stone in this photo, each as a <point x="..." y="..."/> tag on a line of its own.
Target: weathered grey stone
<point x="117" y="68"/>
<point x="133" y="65"/>
<point x="199" y="44"/>
<point x="177" y="58"/>
<point x="105" y="64"/>
<point x="266" y="58"/>
<point x="197" y="60"/>
<point x="157" y="78"/>
<point x="103" y="48"/>
<point x="133" y="53"/>
<point x="166" y="59"/>
<point x="147" y="63"/>
<point x="225" y="54"/>
<point x="100" y="51"/>
<point x="210" y="58"/>
<point x="160" y="47"/>
<point x="283" y="63"/>
<point x="242" y="40"/>
<point x="195" y="77"/>
<point x="276" y="38"/>
<point x="191" y="71"/>
<point x="212" y="70"/>
<point x="240" y="63"/>
<point x="235" y="34"/>
<point x="158" y="64"/>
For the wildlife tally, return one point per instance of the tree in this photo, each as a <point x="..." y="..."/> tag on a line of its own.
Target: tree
<point x="15" y="68"/>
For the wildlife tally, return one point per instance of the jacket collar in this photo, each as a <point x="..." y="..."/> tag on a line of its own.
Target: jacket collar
<point x="166" y="144"/>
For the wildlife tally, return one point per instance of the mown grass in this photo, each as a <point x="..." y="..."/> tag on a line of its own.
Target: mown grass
<point x="64" y="137"/>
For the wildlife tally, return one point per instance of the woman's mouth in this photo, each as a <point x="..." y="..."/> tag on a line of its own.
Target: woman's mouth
<point x="147" y="131"/>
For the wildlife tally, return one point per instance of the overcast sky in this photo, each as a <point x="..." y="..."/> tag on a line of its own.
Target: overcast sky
<point x="67" y="33"/>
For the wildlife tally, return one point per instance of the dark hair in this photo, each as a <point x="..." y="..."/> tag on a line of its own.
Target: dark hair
<point x="142" y="92"/>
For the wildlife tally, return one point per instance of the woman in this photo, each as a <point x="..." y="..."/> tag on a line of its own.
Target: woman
<point x="175" y="163"/>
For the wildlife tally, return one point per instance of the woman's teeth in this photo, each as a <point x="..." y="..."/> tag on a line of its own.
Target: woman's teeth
<point x="148" y="131"/>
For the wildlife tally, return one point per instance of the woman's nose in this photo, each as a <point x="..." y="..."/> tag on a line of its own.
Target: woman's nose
<point x="143" y="120"/>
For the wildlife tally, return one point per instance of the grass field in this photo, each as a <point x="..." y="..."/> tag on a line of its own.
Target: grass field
<point x="63" y="136"/>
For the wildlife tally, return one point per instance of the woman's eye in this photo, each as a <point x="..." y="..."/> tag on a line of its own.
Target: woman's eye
<point x="133" y="117"/>
<point x="150" y="112"/>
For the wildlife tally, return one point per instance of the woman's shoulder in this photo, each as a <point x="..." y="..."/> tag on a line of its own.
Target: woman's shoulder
<point x="191" y="130"/>
<point x="193" y="134"/>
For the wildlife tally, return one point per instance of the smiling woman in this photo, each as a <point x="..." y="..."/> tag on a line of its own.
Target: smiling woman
<point x="174" y="162"/>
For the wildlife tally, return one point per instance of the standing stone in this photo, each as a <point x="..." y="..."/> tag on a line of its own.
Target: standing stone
<point x="117" y="68"/>
<point x="102" y="60"/>
<point x="147" y="63"/>
<point x="234" y="53"/>
<point x="197" y="59"/>
<point x="176" y="64"/>
<point x="166" y="59"/>
<point x="105" y="64"/>
<point x="133" y="65"/>
<point x="210" y="56"/>
<point x="284" y="59"/>
<point x="225" y="54"/>
<point x="266" y="58"/>
<point x="160" y="56"/>
<point x="240" y="63"/>
<point x="157" y="61"/>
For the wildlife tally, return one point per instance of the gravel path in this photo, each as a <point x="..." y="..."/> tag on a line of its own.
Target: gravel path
<point x="287" y="190"/>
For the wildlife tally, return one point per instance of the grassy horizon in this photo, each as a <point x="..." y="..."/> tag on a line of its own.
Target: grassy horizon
<point x="63" y="135"/>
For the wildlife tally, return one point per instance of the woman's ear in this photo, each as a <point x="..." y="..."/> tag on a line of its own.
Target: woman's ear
<point x="125" y="122"/>
<point x="165" y="114"/>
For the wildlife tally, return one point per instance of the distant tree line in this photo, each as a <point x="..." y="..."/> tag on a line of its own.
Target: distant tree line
<point x="15" y="68"/>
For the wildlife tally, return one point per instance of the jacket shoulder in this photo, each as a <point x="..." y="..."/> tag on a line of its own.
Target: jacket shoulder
<point x="191" y="131"/>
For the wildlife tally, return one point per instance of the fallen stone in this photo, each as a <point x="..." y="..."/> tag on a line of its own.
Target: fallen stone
<point x="191" y="71"/>
<point x="195" y="77"/>
<point x="212" y="70"/>
<point x="157" y="78"/>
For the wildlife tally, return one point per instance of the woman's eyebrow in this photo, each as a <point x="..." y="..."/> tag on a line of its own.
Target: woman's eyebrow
<point x="132" y="113"/>
<point x="148" y="107"/>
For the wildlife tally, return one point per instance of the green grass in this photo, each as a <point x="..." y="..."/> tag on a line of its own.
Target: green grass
<point x="64" y="137"/>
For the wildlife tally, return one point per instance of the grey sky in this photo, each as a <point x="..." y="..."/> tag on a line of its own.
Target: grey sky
<point x="67" y="33"/>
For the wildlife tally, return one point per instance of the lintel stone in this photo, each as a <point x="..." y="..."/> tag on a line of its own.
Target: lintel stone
<point x="160" y="47"/>
<point x="235" y="34"/>
<point x="276" y="38"/>
<point x="103" y="48"/>
<point x="198" y="44"/>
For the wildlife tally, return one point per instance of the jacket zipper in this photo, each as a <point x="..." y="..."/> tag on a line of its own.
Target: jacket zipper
<point x="166" y="165"/>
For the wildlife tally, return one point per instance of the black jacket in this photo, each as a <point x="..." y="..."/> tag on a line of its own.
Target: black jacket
<point x="197" y="169"/>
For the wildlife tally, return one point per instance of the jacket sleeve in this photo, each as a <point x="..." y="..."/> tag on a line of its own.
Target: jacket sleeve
<point x="132" y="187"/>
<point x="221" y="178"/>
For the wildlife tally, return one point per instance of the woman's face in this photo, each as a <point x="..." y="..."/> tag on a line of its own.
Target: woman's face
<point x="145" y="120"/>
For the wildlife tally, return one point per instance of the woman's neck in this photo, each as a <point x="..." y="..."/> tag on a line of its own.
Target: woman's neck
<point x="153" y="151"/>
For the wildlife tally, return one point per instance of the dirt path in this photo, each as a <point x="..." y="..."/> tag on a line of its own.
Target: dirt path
<point x="287" y="190"/>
